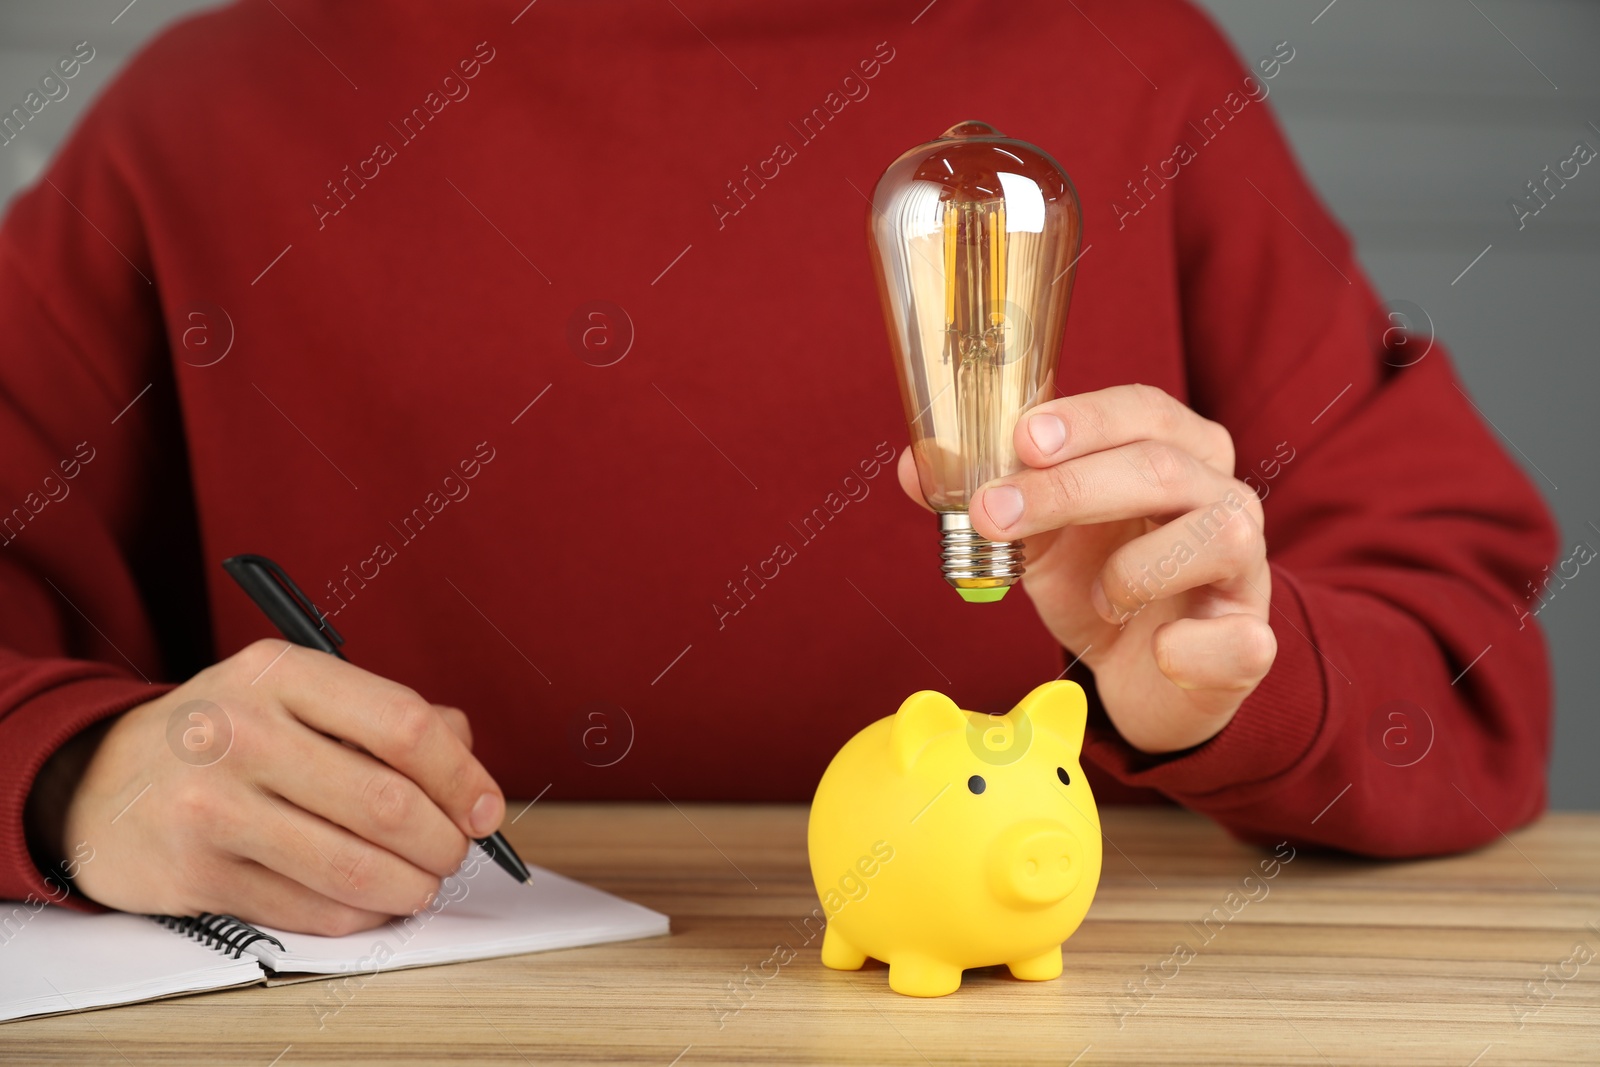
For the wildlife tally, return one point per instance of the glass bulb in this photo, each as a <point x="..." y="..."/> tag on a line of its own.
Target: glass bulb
<point x="975" y="238"/>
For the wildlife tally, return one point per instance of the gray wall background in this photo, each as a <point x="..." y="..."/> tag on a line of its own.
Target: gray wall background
<point x="1416" y="120"/>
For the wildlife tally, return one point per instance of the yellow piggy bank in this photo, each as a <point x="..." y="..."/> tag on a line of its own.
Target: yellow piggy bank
<point x="942" y="839"/>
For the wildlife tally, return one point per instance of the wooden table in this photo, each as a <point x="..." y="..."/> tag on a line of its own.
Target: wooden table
<point x="1341" y="961"/>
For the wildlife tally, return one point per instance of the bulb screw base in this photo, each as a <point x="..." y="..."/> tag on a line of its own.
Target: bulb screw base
<point x="980" y="570"/>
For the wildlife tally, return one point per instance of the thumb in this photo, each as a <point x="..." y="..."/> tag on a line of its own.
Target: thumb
<point x="456" y="719"/>
<point x="907" y="470"/>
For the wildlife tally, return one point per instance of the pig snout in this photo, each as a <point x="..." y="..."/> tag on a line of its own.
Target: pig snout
<point x="1034" y="864"/>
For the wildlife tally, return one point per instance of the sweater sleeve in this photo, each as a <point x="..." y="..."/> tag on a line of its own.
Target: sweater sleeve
<point x="1408" y="710"/>
<point x="97" y="541"/>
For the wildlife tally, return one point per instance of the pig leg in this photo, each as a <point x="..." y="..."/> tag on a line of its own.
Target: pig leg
<point x="916" y="975"/>
<point x="838" y="953"/>
<point x="1040" y="968"/>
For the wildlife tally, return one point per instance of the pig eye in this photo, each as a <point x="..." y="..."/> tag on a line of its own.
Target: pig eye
<point x="1061" y="773"/>
<point x="976" y="783"/>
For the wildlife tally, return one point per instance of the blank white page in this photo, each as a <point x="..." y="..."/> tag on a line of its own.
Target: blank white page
<point x="57" y="961"/>
<point x="488" y="914"/>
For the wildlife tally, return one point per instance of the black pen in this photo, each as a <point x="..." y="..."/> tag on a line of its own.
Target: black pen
<point x="302" y="623"/>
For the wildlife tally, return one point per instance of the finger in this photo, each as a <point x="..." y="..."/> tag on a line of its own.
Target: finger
<point x="1146" y="479"/>
<point x="907" y="471"/>
<point x="1218" y="544"/>
<point x="265" y="897"/>
<point x="1080" y="425"/>
<point x="331" y="860"/>
<point x="365" y="796"/>
<point x="457" y="720"/>
<point x="1216" y="659"/>
<point x="398" y="727"/>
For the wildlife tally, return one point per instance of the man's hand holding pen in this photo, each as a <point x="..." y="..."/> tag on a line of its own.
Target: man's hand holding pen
<point x="290" y="826"/>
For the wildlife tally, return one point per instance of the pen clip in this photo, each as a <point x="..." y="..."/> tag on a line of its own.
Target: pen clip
<point x="301" y="601"/>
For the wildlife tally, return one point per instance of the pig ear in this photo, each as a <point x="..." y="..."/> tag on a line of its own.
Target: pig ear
<point x="922" y="717"/>
<point x="1059" y="707"/>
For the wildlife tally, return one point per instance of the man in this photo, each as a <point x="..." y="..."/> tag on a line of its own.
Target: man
<point x="542" y="349"/>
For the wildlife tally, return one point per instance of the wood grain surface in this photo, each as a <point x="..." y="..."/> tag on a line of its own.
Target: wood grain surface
<point x="1483" y="959"/>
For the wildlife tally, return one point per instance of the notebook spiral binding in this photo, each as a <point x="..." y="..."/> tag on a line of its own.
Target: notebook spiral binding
<point x="223" y="932"/>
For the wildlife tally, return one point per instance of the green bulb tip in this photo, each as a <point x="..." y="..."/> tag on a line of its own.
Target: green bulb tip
<point x="983" y="596"/>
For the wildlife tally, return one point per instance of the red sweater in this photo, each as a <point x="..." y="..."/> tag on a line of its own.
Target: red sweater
<point x="316" y="280"/>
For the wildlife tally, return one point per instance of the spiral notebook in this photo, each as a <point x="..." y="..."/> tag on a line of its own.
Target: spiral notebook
<point x="54" y="961"/>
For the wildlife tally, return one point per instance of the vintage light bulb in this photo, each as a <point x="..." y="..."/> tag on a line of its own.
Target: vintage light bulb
<point x="975" y="239"/>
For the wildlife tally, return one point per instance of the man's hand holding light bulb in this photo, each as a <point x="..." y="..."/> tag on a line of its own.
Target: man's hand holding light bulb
<point x="1115" y="482"/>
<point x="1143" y="554"/>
